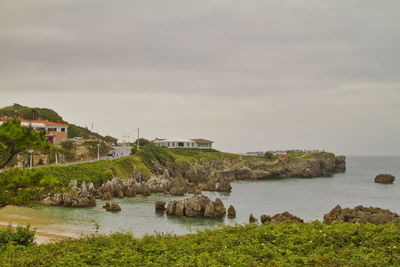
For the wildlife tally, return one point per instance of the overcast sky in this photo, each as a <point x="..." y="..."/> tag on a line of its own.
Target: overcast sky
<point x="250" y="75"/>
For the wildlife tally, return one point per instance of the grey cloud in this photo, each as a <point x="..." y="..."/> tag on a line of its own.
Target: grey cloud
<point x="238" y="67"/>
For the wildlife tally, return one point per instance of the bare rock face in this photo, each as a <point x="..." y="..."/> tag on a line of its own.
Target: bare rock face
<point x="384" y="179"/>
<point x="177" y="191"/>
<point x="284" y="217"/>
<point x="197" y="206"/>
<point x="106" y="196"/>
<point x="252" y="219"/>
<point x="113" y="207"/>
<point x="210" y="186"/>
<point x="215" y="209"/>
<point x="231" y="212"/>
<point x="362" y="215"/>
<point x="265" y="218"/>
<point x="160" y="205"/>
<point x="340" y="165"/>
<point x="224" y="185"/>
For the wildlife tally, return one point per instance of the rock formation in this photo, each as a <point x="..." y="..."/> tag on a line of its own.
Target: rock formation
<point x="113" y="207"/>
<point x="160" y="205"/>
<point x="252" y="219"/>
<point x="231" y="212"/>
<point x="384" y="179"/>
<point x="362" y="215"/>
<point x="197" y="206"/>
<point x="224" y="185"/>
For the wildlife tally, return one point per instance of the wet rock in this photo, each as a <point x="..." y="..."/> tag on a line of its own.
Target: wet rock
<point x="130" y="192"/>
<point x="197" y="206"/>
<point x="285" y="217"/>
<point x="252" y="219"/>
<point x="384" y="179"/>
<point x="177" y="191"/>
<point x="160" y="205"/>
<point x="231" y="212"/>
<point x="113" y="207"/>
<point x="120" y="194"/>
<point x="362" y="215"/>
<point x="106" y="196"/>
<point x="171" y="207"/>
<point x="215" y="209"/>
<point x="224" y="186"/>
<point x="265" y="218"/>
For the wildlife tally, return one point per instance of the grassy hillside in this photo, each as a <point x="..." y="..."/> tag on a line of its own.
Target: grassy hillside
<point x="308" y="244"/>
<point x="28" y="113"/>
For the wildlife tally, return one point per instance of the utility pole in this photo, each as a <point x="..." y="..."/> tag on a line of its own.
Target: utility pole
<point x="30" y="161"/>
<point x="138" y="139"/>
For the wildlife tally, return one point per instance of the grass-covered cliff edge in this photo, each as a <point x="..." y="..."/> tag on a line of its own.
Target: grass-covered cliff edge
<point x="187" y="168"/>
<point x="303" y="244"/>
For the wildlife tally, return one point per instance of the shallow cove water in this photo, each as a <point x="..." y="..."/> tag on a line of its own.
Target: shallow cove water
<point x="307" y="198"/>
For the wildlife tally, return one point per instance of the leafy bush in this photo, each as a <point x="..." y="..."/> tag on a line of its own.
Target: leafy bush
<point x="18" y="236"/>
<point x="308" y="244"/>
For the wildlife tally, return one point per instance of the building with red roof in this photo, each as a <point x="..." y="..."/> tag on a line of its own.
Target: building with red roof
<point x="55" y="132"/>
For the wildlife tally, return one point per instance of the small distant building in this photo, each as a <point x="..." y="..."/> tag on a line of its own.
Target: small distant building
<point x="184" y="143"/>
<point x="55" y="132"/>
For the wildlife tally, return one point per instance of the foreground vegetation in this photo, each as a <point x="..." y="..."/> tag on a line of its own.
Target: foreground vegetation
<point x="338" y="244"/>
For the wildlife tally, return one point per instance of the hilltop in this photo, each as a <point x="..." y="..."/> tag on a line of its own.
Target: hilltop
<point x="45" y="114"/>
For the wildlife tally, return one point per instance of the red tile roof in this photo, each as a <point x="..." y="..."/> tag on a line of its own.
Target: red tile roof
<point x="200" y="140"/>
<point x="47" y="123"/>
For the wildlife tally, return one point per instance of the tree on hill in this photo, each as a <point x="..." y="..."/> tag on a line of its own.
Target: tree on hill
<point x="15" y="139"/>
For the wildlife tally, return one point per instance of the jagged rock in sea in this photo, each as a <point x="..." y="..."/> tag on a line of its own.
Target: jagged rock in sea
<point x="197" y="206"/>
<point x="106" y="196"/>
<point x="177" y="191"/>
<point x="362" y="215"/>
<point x="384" y="179"/>
<point x="160" y="205"/>
<point x="265" y="218"/>
<point x="112" y="207"/>
<point x="224" y="185"/>
<point x="284" y="217"/>
<point x="231" y="212"/>
<point x="215" y="209"/>
<point x="252" y="219"/>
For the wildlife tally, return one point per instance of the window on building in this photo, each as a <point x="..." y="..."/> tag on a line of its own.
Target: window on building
<point x="62" y="129"/>
<point x="192" y="144"/>
<point x="169" y="144"/>
<point x="52" y="130"/>
<point x="181" y="144"/>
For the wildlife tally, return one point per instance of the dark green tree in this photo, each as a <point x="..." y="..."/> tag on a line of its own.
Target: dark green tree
<point x="268" y="155"/>
<point x="15" y="139"/>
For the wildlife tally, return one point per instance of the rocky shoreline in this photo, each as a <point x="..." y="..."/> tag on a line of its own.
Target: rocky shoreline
<point x="209" y="176"/>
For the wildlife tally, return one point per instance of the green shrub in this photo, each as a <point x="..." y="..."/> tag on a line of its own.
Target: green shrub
<point x="18" y="236"/>
<point x="306" y="244"/>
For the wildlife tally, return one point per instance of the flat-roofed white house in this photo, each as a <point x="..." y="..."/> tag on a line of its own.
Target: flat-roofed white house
<point x="184" y="143"/>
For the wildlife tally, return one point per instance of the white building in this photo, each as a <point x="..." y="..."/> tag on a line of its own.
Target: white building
<point x="184" y="143"/>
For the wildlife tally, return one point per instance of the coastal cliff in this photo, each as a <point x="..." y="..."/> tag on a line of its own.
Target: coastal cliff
<point x="155" y="170"/>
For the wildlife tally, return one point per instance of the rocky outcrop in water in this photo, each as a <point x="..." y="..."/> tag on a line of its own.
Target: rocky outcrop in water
<point x="231" y="212"/>
<point x="252" y="219"/>
<point x="197" y="206"/>
<point x="281" y="218"/>
<point x="160" y="206"/>
<point x="112" y="207"/>
<point x="362" y="215"/>
<point x="384" y="179"/>
<point x="224" y="185"/>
